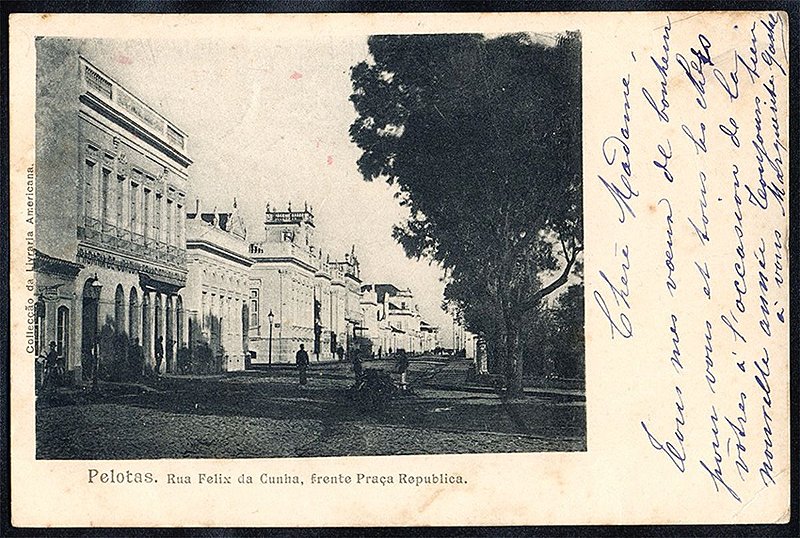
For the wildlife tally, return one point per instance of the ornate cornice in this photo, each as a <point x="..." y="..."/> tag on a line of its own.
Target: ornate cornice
<point x="211" y="248"/>
<point x="91" y="256"/>
<point x="291" y="260"/>
<point x="134" y="127"/>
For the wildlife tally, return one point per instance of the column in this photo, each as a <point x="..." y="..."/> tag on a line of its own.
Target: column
<point x="169" y="332"/>
<point x="148" y="334"/>
<point x="158" y="325"/>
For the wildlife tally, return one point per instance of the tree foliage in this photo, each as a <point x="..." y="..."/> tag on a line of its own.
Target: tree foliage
<point x="482" y="137"/>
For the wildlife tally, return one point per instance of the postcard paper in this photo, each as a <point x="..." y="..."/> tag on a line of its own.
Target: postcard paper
<point x="399" y="269"/>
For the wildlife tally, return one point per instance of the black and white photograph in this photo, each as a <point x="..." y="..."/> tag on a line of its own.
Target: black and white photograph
<point x="348" y="269"/>
<point x="349" y="246"/>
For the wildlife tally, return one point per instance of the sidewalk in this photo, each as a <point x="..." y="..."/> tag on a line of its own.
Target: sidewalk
<point x="453" y="376"/>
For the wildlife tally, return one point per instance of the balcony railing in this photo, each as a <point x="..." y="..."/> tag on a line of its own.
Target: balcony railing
<point x="100" y="84"/>
<point x="127" y="242"/>
<point x="285" y="249"/>
<point x="290" y="216"/>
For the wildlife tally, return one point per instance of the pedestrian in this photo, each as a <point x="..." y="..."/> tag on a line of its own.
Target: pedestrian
<point x="340" y="352"/>
<point x="357" y="369"/>
<point x="50" y="366"/>
<point x="401" y="366"/>
<point x="159" y="354"/>
<point x="301" y="358"/>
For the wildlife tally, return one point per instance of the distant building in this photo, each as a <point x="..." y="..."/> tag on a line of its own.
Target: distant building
<point x="347" y="286"/>
<point x="111" y="182"/>
<point x="429" y="336"/>
<point x="218" y="285"/>
<point x="375" y="327"/>
<point x="402" y="314"/>
<point x="393" y="321"/>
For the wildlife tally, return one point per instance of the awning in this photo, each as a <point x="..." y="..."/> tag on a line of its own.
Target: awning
<point x="43" y="263"/>
<point x="160" y="283"/>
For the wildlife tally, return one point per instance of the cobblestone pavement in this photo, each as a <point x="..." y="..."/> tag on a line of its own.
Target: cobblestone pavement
<point x="267" y="414"/>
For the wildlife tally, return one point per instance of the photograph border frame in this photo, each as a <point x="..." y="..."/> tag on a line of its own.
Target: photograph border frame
<point x="309" y="6"/>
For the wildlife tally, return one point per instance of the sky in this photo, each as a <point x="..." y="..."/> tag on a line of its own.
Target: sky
<point x="267" y="122"/>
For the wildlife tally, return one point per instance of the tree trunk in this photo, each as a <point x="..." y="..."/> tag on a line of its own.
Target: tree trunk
<point x="514" y="356"/>
<point x="494" y="357"/>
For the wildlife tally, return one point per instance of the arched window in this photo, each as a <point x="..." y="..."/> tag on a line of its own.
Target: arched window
<point x="62" y="332"/>
<point x="133" y="314"/>
<point x="119" y="309"/>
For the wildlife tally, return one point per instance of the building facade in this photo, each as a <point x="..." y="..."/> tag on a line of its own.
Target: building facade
<point x="116" y="255"/>
<point x="283" y="283"/>
<point x="111" y="183"/>
<point x="218" y="287"/>
<point x="429" y="336"/>
<point x="392" y="320"/>
<point x="298" y="295"/>
<point x="348" y="320"/>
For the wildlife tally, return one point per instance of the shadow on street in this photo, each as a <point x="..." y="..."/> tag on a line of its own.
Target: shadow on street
<point x="267" y="414"/>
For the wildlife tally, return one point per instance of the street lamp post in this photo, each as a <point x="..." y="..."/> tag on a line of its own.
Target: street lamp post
<point x="96" y="344"/>
<point x="271" y="317"/>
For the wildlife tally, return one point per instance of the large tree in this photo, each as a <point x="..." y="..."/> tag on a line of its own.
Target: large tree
<point x="482" y="136"/>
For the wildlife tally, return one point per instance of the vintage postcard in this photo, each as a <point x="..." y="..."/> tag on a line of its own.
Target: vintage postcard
<point x="399" y="269"/>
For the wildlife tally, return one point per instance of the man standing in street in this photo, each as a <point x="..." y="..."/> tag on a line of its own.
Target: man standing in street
<point x="301" y="358"/>
<point x="159" y="352"/>
<point x="51" y="373"/>
<point x="401" y="367"/>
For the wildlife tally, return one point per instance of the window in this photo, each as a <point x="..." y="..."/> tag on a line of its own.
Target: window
<point x="170" y="239"/>
<point x="134" y="201"/>
<point x="62" y="332"/>
<point x="179" y="223"/>
<point x="254" y="308"/>
<point x="119" y="309"/>
<point x="133" y="314"/>
<point x="106" y="186"/>
<point x="38" y="328"/>
<point x="147" y="214"/>
<point x="157" y="219"/>
<point x="204" y="310"/>
<point x="120" y="201"/>
<point x="88" y="189"/>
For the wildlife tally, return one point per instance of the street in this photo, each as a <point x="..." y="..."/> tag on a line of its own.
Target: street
<point x="261" y="414"/>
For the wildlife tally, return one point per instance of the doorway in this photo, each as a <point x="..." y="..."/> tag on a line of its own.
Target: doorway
<point x="91" y="300"/>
